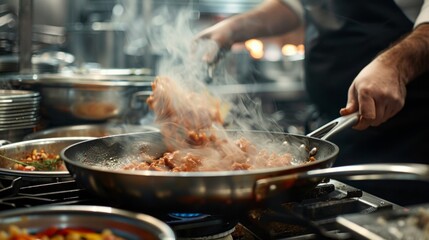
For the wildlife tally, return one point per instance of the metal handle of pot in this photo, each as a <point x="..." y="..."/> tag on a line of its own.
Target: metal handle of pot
<point x="267" y="187"/>
<point x="333" y="127"/>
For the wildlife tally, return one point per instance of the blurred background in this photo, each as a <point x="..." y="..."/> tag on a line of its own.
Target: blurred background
<point x="109" y="38"/>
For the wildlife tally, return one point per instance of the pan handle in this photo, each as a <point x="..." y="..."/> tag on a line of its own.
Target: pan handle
<point x="268" y="187"/>
<point x="335" y="126"/>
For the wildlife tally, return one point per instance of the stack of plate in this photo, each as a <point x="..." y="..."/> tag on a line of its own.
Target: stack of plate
<point x="19" y="113"/>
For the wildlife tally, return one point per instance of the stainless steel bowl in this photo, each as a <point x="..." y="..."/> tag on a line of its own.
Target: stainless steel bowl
<point x="87" y="98"/>
<point x="19" y="149"/>
<point x="89" y="130"/>
<point x="128" y="225"/>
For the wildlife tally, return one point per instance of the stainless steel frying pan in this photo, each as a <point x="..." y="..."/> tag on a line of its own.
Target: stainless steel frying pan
<point x="96" y="165"/>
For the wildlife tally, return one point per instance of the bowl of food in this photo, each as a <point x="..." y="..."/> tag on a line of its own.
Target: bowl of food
<point x="81" y="222"/>
<point x="35" y="159"/>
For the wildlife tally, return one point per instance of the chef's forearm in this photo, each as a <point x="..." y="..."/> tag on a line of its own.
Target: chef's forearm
<point x="272" y="17"/>
<point x="410" y="56"/>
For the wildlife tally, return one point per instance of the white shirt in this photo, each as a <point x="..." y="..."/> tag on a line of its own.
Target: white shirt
<point x="416" y="10"/>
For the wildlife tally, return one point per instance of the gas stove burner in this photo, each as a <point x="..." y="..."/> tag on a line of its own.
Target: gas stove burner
<point x="188" y="216"/>
<point x="197" y="226"/>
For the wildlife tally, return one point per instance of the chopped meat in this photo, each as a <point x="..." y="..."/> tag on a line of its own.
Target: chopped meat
<point x="190" y="123"/>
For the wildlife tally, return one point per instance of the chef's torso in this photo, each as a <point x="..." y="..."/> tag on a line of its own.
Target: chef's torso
<point x="342" y="37"/>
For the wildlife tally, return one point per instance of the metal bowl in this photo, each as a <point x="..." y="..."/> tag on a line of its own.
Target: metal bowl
<point x="125" y="224"/>
<point x="86" y="98"/>
<point x="89" y="130"/>
<point x="19" y="149"/>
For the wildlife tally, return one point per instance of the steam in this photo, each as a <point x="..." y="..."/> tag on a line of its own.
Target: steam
<point x="171" y="33"/>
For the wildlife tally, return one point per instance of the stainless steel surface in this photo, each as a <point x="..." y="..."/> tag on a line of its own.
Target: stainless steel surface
<point x="18" y="150"/>
<point x="19" y="113"/>
<point x="16" y="95"/>
<point x="25" y="35"/>
<point x="30" y="104"/>
<point x="9" y="130"/>
<point x="128" y="225"/>
<point x="335" y="126"/>
<point x="13" y="121"/>
<point x="100" y="42"/>
<point x="394" y="224"/>
<point x="116" y="72"/>
<point x="267" y="187"/>
<point x="89" y="130"/>
<point x="47" y="62"/>
<point x="94" y="161"/>
<point x="282" y="91"/>
<point x="77" y="99"/>
<point x="169" y="191"/>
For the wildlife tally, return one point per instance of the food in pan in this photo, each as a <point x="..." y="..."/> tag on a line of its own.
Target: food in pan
<point x="39" y="160"/>
<point x="191" y="125"/>
<point x="245" y="157"/>
<point x="16" y="233"/>
<point x="185" y="118"/>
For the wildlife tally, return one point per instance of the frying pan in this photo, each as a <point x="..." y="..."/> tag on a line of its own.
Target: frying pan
<point x="95" y="164"/>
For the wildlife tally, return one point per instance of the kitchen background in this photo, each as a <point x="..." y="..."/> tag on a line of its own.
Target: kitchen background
<point x="110" y="37"/>
<point x="90" y="61"/>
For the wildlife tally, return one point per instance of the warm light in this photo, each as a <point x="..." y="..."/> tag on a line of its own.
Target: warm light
<point x="255" y="48"/>
<point x="300" y="48"/>
<point x="289" y="50"/>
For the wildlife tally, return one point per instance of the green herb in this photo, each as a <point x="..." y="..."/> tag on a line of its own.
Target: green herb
<point x="45" y="165"/>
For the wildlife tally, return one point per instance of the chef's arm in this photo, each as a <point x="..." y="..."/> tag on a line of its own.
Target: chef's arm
<point x="379" y="90"/>
<point x="410" y="56"/>
<point x="271" y="17"/>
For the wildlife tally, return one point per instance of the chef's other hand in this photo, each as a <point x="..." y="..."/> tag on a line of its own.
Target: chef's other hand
<point x="377" y="93"/>
<point x="220" y="34"/>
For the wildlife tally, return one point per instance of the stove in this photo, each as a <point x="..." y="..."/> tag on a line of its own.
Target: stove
<point x="313" y="217"/>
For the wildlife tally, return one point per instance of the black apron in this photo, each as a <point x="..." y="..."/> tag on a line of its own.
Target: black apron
<point x="342" y="37"/>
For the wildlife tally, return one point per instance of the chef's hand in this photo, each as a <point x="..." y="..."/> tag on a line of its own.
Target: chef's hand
<point x="221" y="35"/>
<point x="269" y="18"/>
<point x="377" y="93"/>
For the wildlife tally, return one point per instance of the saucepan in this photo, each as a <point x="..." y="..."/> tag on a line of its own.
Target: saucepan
<point x="96" y="164"/>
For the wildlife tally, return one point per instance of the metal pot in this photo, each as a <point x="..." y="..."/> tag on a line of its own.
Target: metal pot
<point x="88" y="98"/>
